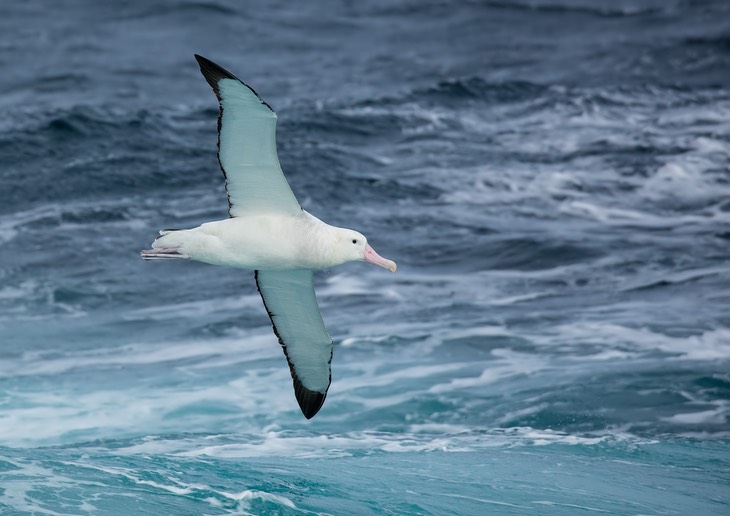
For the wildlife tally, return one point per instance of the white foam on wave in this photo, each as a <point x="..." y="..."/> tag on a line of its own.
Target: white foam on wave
<point x="14" y="300"/>
<point x="525" y="191"/>
<point x="521" y="298"/>
<point x="11" y="225"/>
<point x="683" y="276"/>
<point x="418" y="438"/>
<point x="711" y="145"/>
<point x="550" y="503"/>
<point x="713" y="412"/>
<point x="689" y="178"/>
<point x="198" y="309"/>
<point x="415" y="119"/>
<point x="572" y="145"/>
<point x="440" y="438"/>
<point x="15" y="223"/>
<point x="345" y="285"/>
<point x="508" y="363"/>
<point x="690" y="116"/>
<point x="284" y="444"/>
<point x="619" y="216"/>
<point x="24" y="290"/>
<point x="716" y="416"/>
<point x="708" y="345"/>
<point x="175" y="486"/>
<point x="428" y="333"/>
<point x="202" y="402"/>
<point x="34" y="301"/>
<point x="397" y="382"/>
<point x="398" y="375"/>
<point x="125" y="412"/>
<point x="628" y="217"/>
<point x="245" y="348"/>
<point x="22" y="486"/>
<point x="483" y="500"/>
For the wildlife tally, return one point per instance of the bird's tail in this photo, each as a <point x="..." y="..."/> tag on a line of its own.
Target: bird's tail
<point x="165" y="247"/>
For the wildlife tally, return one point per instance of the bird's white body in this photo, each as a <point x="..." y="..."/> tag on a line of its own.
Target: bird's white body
<point x="262" y="242"/>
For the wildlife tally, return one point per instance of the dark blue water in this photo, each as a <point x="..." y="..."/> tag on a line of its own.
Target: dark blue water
<point x="552" y="177"/>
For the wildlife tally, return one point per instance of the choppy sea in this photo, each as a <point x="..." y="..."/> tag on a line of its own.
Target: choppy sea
<point x="552" y="177"/>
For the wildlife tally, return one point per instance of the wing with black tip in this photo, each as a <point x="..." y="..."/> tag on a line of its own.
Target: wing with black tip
<point x="247" y="147"/>
<point x="292" y="306"/>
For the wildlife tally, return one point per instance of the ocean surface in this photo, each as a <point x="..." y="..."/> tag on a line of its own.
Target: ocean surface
<point x="552" y="177"/>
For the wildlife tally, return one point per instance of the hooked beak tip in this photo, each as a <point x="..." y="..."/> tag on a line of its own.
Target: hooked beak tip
<point x="371" y="256"/>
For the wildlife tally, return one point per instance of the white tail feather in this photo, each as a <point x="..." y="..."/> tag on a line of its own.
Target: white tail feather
<point x="167" y="246"/>
<point x="163" y="254"/>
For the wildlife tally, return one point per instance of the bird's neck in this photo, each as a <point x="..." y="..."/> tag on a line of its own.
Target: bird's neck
<point x="321" y="243"/>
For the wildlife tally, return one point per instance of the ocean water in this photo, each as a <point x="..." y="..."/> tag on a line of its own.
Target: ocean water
<point x="552" y="177"/>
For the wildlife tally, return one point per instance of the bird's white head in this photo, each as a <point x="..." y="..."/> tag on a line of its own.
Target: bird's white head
<point x="351" y="246"/>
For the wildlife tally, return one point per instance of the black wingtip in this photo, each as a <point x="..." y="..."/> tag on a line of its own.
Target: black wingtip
<point x="214" y="72"/>
<point x="309" y="401"/>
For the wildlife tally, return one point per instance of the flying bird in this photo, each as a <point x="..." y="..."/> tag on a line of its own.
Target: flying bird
<point x="269" y="232"/>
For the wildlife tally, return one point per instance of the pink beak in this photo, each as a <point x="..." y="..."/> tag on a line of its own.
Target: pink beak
<point x="372" y="257"/>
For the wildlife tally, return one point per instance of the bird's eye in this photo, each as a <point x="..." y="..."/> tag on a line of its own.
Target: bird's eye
<point x="354" y="241"/>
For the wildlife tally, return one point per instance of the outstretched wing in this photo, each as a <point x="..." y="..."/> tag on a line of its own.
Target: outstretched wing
<point x="292" y="306"/>
<point x="247" y="147"/>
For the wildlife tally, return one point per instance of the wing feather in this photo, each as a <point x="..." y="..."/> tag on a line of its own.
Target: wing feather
<point x="290" y="300"/>
<point x="247" y="147"/>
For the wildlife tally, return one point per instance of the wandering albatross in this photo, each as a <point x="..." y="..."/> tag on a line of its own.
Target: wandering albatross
<point x="269" y="233"/>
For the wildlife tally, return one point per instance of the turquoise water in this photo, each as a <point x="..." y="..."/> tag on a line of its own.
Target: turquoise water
<point x="551" y="177"/>
<point x="518" y="472"/>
